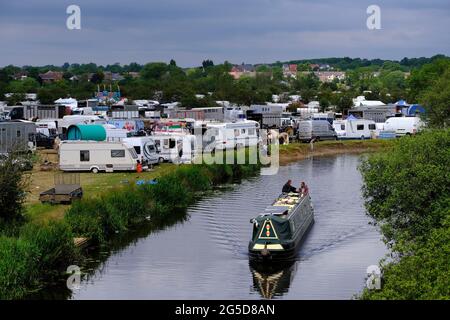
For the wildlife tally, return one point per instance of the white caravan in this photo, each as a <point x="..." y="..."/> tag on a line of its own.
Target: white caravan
<point x="145" y="148"/>
<point x="231" y="135"/>
<point x="96" y="156"/>
<point x="355" y="129"/>
<point x="168" y="147"/>
<point x="404" y="125"/>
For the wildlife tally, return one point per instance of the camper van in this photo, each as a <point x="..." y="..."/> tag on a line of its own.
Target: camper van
<point x="404" y="125"/>
<point x="145" y="148"/>
<point x="355" y="129"/>
<point x="316" y="129"/>
<point x="96" y="156"/>
<point x="169" y="148"/>
<point x="232" y="135"/>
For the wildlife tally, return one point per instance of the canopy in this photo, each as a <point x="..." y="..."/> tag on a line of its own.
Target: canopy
<point x="415" y="108"/>
<point x="86" y="132"/>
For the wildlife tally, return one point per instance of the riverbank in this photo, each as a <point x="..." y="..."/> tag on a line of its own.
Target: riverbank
<point x="38" y="252"/>
<point x="299" y="151"/>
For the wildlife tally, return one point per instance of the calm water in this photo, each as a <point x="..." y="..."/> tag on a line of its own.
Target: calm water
<point x="205" y="257"/>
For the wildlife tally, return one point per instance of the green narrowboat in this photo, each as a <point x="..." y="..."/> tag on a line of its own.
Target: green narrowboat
<point x="278" y="231"/>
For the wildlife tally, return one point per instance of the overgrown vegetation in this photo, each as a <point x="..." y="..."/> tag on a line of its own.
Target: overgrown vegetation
<point x="407" y="192"/>
<point x="40" y="253"/>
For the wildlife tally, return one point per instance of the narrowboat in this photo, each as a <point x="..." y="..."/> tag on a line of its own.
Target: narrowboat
<point x="278" y="231"/>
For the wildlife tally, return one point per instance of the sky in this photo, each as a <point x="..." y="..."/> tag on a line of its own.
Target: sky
<point x="34" y="32"/>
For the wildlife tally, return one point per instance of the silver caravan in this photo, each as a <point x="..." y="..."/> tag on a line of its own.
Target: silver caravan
<point x="17" y="135"/>
<point x="96" y="156"/>
<point x="145" y="148"/>
<point x="316" y="129"/>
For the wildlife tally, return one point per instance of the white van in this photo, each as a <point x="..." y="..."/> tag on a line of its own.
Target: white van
<point x="145" y="148"/>
<point x="404" y="125"/>
<point x="96" y="156"/>
<point x="232" y="135"/>
<point x="355" y="129"/>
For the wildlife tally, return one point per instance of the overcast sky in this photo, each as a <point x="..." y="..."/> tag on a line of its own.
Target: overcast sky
<point x="33" y="32"/>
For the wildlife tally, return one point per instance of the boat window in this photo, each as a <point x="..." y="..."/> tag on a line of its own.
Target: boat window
<point x="360" y="127"/>
<point x="117" y="153"/>
<point x="84" y="155"/>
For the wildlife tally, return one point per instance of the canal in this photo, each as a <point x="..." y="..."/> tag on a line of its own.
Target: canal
<point x="205" y="257"/>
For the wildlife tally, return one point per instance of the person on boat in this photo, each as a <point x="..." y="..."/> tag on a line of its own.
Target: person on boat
<point x="288" y="187"/>
<point x="303" y="188"/>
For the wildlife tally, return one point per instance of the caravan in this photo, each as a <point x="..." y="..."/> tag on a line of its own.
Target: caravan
<point x="232" y="135"/>
<point x="96" y="156"/>
<point x="145" y="148"/>
<point x="355" y="128"/>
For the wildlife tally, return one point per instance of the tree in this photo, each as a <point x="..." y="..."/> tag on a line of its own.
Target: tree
<point x="153" y="70"/>
<point x="207" y="63"/>
<point x="12" y="188"/>
<point x="436" y="101"/>
<point x="97" y="77"/>
<point x="406" y="193"/>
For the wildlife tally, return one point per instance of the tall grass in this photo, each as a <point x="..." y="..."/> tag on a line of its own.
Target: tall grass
<point x="41" y="252"/>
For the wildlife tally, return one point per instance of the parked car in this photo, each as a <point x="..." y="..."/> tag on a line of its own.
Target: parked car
<point x="317" y="130"/>
<point x="44" y="141"/>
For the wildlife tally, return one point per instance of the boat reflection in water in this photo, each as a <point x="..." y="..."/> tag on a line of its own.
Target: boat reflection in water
<point x="272" y="280"/>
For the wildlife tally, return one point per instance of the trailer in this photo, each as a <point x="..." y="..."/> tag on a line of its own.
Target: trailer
<point x="35" y="112"/>
<point x="18" y="135"/>
<point x="67" y="188"/>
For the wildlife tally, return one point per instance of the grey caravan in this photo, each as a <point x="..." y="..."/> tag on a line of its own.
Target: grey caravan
<point x="316" y="129"/>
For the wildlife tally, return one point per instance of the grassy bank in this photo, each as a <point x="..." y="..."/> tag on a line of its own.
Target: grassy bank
<point x="298" y="151"/>
<point x="43" y="248"/>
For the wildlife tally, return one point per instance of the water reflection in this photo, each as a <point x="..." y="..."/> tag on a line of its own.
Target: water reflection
<point x="272" y="280"/>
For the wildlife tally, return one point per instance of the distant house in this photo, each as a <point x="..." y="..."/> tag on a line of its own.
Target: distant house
<point x="238" y="71"/>
<point x="21" y="75"/>
<point x="134" y="75"/>
<point x="51" y="76"/>
<point x="314" y="66"/>
<point x="290" y="70"/>
<point x="330" y="76"/>
<point x="111" y="76"/>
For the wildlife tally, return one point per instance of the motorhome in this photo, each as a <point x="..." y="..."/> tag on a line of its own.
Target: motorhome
<point x="231" y="135"/>
<point x="96" y="156"/>
<point x="315" y="130"/>
<point x="404" y="125"/>
<point x="145" y="148"/>
<point x="355" y="129"/>
<point x="169" y="148"/>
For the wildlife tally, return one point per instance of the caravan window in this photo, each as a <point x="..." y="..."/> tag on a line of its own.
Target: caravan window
<point x="84" y="155"/>
<point x="172" y="143"/>
<point x="342" y="126"/>
<point x="360" y="127"/>
<point x="137" y="149"/>
<point x="243" y="131"/>
<point x="372" y="126"/>
<point x="118" y="153"/>
<point x="251" y="132"/>
<point x="236" y="132"/>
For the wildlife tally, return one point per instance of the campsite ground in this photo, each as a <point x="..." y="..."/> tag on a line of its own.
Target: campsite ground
<point x="96" y="184"/>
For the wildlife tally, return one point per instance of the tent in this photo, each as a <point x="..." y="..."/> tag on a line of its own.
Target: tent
<point x="414" y="109"/>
